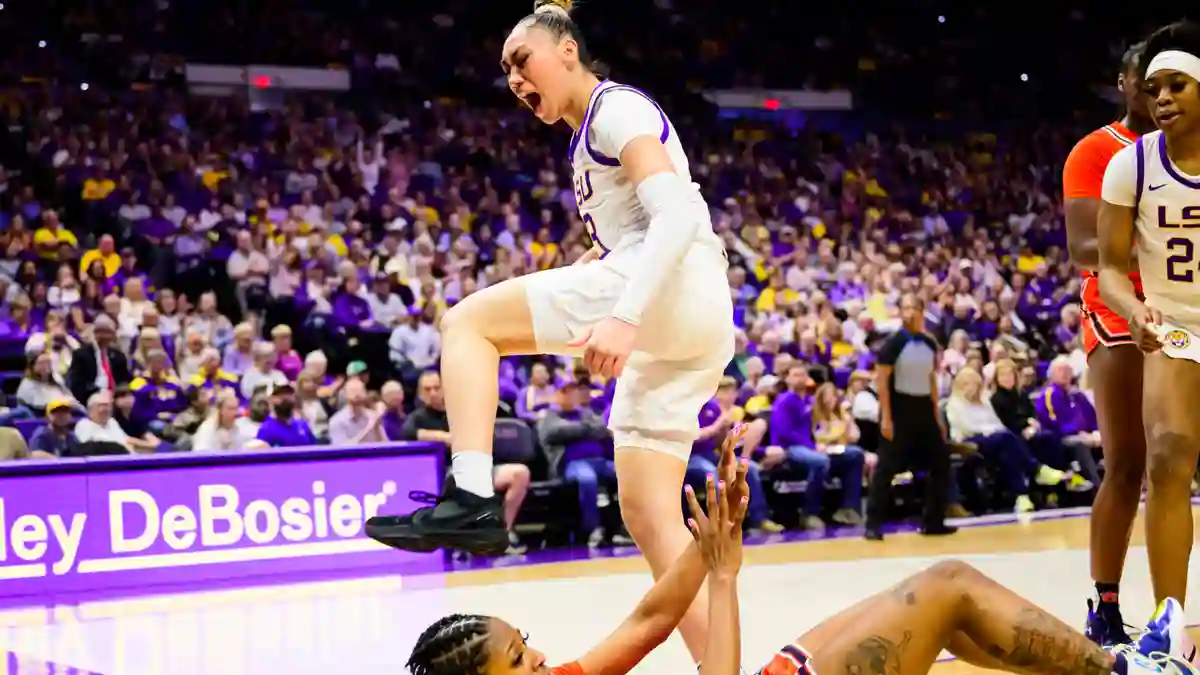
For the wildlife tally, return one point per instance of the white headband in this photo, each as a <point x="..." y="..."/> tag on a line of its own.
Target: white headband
<point x="1183" y="62"/>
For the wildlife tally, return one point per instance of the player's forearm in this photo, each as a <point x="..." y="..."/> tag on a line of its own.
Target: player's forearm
<point x="723" y="653"/>
<point x="1083" y="243"/>
<point x="674" y="221"/>
<point x="1117" y="291"/>
<point x="1084" y="252"/>
<point x="663" y="607"/>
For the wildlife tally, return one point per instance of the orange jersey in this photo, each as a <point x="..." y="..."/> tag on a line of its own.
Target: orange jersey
<point x="1083" y="172"/>
<point x="571" y="668"/>
<point x="1083" y="178"/>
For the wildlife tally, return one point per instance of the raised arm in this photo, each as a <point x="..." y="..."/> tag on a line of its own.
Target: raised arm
<point x="660" y="611"/>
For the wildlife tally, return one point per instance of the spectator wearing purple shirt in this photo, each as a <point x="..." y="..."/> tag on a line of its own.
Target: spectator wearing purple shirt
<point x="538" y="395"/>
<point x="392" y="396"/>
<point x="239" y="355"/>
<point x="577" y="441"/>
<point x="128" y="270"/>
<point x="283" y="429"/>
<point x="1065" y="411"/>
<point x="287" y="359"/>
<point x="350" y="309"/>
<point x="715" y="424"/>
<point x="792" y="429"/>
<point x="18" y="325"/>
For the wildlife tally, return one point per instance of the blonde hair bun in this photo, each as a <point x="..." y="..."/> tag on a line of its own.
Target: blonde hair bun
<point x="553" y="7"/>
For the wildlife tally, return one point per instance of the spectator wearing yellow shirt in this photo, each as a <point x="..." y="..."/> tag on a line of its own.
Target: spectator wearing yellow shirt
<point x="106" y="253"/>
<point x="777" y="295"/>
<point x="1028" y="262"/>
<point x="543" y="251"/>
<point x="213" y="177"/>
<point x="759" y="405"/>
<point x="841" y="352"/>
<point x="52" y="236"/>
<point x="429" y="296"/>
<point x="755" y="430"/>
<point x="98" y="187"/>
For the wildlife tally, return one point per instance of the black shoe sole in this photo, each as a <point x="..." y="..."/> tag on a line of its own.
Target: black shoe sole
<point x="406" y="538"/>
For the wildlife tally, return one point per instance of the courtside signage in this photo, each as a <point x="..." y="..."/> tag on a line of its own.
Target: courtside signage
<point x="175" y="525"/>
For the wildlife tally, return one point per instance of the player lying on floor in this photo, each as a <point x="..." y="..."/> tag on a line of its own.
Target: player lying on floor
<point x="900" y="631"/>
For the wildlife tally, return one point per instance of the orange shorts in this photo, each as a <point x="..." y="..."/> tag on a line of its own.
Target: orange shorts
<point x="791" y="660"/>
<point x="1101" y="325"/>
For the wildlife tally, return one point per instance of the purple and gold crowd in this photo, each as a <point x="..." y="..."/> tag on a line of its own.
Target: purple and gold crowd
<point x="187" y="273"/>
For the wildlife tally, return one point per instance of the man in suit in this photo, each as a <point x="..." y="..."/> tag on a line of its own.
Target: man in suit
<point x="99" y="365"/>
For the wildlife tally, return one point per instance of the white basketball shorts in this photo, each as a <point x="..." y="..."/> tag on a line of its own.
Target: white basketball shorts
<point x="1179" y="343"/>
<point x="684" y="343"/>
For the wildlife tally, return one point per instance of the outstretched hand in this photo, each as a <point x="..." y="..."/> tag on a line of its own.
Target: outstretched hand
<point x="731" y="468"/>
<point x="719" y="532"/>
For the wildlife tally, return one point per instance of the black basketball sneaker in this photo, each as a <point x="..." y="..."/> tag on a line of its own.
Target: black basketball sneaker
<point x="458" y="520"/>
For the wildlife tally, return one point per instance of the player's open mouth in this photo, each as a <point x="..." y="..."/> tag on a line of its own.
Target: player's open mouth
<point x="533" y="100"/>
<point x="1167" y="116"/>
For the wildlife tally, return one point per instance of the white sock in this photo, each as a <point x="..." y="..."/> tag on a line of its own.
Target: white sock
<point x="472" y="472"/>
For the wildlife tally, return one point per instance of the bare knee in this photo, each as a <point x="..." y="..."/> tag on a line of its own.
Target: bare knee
<point x="1125" y="457"/>
<point x="637" y="514"/>
<point x="458" y="320"/>
<point x="511" y="478"/>
<point x="948" y="583"/>
<point x="1171" y="462"/>
<point x="648" y="516"/>
<point x="498" y="315"/>
<point x="951" y="571"/>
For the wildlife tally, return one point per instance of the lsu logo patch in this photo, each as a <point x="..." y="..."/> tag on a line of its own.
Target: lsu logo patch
<point x="1177" y="339"/>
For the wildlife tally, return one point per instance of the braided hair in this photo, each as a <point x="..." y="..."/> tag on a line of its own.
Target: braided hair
<point x="453" y="645"/>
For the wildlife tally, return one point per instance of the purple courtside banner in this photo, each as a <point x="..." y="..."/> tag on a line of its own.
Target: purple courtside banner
<point x="108" y="525"/>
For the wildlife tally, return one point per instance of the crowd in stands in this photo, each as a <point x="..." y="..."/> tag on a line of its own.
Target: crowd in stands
<point x="185" y="273"/>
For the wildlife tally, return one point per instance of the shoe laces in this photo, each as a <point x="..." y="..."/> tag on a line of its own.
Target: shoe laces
<point x="1165" y="661"/>
<point x="423" y="497"/>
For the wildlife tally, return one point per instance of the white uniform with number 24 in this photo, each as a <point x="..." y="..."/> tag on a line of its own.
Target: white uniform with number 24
<point x="686" y="336"/>
<point x="1167" y="233"/>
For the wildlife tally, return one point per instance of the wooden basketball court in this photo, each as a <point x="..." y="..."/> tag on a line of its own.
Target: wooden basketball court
<point x="371" y="623"/>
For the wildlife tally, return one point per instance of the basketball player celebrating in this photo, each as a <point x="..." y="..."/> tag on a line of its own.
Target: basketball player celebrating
<point x="648" y="303"/>
<point x="1151" y="189"/>
<point x="901" y="631"/>
<point x="1114" y="361"/>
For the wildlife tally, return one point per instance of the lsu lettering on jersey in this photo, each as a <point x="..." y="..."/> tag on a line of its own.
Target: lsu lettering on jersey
<point x="607" y="199"/>
<point x="1167" y="224"/>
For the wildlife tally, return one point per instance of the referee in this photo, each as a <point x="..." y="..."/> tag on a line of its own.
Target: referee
<point x="910" y="422"/>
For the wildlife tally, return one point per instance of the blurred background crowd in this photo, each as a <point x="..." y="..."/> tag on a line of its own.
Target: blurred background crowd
<point x="194" y="265"/>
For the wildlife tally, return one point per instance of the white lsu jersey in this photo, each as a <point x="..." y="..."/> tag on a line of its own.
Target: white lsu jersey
<point x="607" y="200"/>
<point x="1167" y="226"/>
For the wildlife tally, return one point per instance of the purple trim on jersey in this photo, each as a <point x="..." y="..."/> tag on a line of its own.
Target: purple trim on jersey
<point x="1141" y="173"/>
<point x="587" y="115"/>
<point x="605" y="160"/>
<point x="1171" y="171"/>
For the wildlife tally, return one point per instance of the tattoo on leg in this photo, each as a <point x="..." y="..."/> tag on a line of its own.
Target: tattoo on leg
<point x="877" y="655"/>
<point x="1042" y="643"/>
